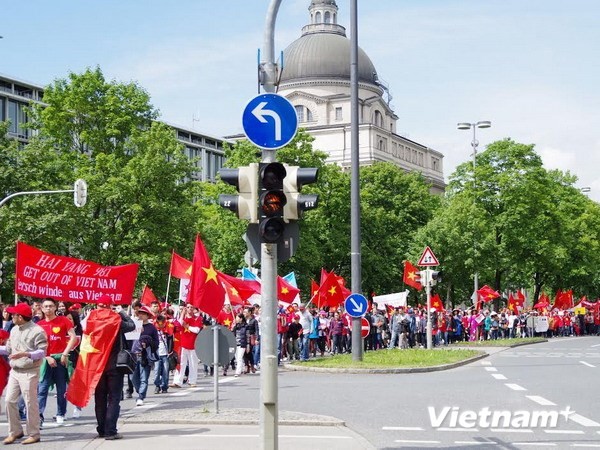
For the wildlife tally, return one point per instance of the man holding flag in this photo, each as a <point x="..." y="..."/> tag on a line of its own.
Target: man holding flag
<point x="97" y="371"/>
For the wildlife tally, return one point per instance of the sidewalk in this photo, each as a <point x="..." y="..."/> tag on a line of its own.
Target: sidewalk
<point x="231" y="429"/>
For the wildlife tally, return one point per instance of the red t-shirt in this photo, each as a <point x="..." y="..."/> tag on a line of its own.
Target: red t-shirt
<point x="56" y="330"/>
<point x="187" y="338"/>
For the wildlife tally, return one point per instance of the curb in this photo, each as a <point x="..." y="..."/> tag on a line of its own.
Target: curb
<point x="244" y="417"/>
<point x="441" y="367"/>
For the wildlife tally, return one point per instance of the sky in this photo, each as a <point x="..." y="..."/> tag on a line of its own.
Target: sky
<point x="531" y="67"/>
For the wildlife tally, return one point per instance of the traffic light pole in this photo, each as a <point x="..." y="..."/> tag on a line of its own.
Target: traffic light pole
<point x="268" y="348"/>
<point x="355" y="253"/>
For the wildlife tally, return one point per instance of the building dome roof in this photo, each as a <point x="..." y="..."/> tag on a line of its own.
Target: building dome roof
<point x="318" y="55"/>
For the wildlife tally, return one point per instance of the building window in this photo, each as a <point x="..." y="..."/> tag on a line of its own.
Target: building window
<point x="421" y="159"/>
<point x="414" y="156"/>
<point x="434" y="164"/>
<point x="327" y="17"/>
<point x="304" y="114"/>
<point x="2" y="110"/>
<point x="17" y="117"/>
<point x="378" y="119"/>
<point x="338" y="113"/>
<point x="318" y="18"/>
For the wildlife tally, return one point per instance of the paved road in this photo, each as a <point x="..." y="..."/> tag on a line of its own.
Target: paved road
<point x="388" y="411"/>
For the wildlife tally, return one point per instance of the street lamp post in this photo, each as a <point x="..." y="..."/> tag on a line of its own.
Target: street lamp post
<point x="474" y="144"/>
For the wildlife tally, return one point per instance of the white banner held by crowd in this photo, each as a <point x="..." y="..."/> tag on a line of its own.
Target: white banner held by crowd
<point x="396" y="300"/>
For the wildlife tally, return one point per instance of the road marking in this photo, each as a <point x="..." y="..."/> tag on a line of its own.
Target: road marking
<point x="536" y="444"/>
<point x="515" y="387"/>
<point x="409" y="441"/>
<point x="476" y="443"/>
<point x="596" y="345"/>
<point x="402" y="429"/>
<point x="540" y="400"/>
<point x="586" y="445"/>
<point x="587" y="364"/>
<point x="499" y="376"/>
<point x="456" y="429"/>
<point x="578" y="418"/>
<point x="511" y="430"/>
<point x="486" y="363"/>
<point x="491" y="369"/>
<point x="564" y="431"/>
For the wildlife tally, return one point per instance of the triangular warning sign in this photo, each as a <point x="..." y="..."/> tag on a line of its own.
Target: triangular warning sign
<point x="428" y="258"/>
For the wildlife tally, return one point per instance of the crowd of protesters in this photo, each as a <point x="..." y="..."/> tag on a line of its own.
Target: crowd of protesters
<point x="163" y="338"/>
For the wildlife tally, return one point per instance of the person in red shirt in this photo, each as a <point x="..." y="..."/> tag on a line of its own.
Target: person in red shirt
<point x="190" y="327"/>
<point x="54" y="370"/>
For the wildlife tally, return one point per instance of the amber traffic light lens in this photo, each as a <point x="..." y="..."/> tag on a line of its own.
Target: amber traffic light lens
<point x="272" y="203"/>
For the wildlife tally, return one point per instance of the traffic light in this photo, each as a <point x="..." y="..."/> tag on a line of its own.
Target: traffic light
<point x="80" y="193"/>
<point x="430" y="276"/>
<point x="245" y="179"/>
<point x="272" y="201"/>
<point x="436" y="277"/>
<point x="296" y="203"/>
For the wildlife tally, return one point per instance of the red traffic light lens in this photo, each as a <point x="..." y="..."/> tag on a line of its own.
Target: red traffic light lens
<point x="272" y="203"/>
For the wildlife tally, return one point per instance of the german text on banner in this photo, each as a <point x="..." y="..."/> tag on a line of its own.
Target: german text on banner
<point x="44" y="275"/>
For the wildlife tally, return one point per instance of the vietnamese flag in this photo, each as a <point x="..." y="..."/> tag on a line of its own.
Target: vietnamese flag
<point x="285" y="291"/>
<point x="331" y="291"/>
<point x="101" y="330"/>
<point x="345" y="291"/>
<point x="314" y="293"/>
<point x="237" y="293"/>
<point x="436" y="303"/>
<point x="238" y="289"/>
<point x="543" y="302"/>
<point x="180" y="267"/>
<point x="515" y="303"/>
<point x="487" y="293"/>
<point x="411" y="276"/>
<point x="147" y="296"/>
<point x="206" y="292"/>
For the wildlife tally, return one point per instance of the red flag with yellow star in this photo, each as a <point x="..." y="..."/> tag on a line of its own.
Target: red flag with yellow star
<point x="314" y="294"/>
<point x="331" y="292"/>
<point x="285" y="291"/>
<point x="206" y="292"/>
<point x="238" y="290"/>
<point x="180" y="267"/>
<point x="101" y="330"/>
<point x="411" y="277"/>
<point x="436" y="302"/>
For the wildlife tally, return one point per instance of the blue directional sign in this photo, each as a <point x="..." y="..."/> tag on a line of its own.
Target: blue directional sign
<point x="356" y="305"/>
<point x="270" y="121"/>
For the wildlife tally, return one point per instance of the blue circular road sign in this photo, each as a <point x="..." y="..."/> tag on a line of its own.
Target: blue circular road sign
<point x="270" y="121"/>
<point x="356" y="305"/>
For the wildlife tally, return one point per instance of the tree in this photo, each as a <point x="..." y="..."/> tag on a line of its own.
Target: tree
<point x="140" y="205"/>
<point x="515" y="223"/>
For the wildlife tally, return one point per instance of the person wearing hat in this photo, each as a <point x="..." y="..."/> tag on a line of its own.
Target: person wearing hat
<point x="26" y="348"/>
<point x="145" y="349"/>
<point x="54" y="371"/>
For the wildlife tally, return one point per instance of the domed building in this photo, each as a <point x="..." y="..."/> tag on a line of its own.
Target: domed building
<point x="315" y="78"/>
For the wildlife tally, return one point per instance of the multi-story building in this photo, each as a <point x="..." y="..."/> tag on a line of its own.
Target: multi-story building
<point x="315" y="78"/>
<point x="15" y="95"/>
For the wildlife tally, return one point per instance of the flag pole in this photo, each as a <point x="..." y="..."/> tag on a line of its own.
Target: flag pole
<point x="168" y="287"/>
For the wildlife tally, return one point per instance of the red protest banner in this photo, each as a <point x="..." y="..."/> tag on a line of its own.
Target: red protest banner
<point x="44" y="275"/>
